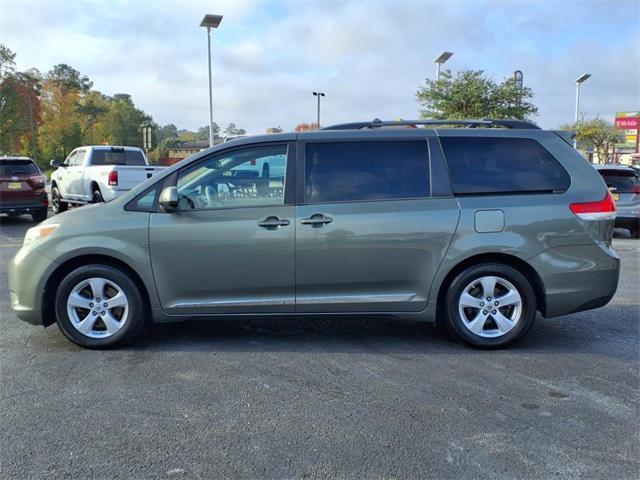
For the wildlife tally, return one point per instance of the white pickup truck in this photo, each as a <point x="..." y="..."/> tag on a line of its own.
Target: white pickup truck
<point x="97" y="174"/>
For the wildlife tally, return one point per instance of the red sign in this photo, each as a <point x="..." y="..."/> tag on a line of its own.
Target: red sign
<point x="628" y="123"/>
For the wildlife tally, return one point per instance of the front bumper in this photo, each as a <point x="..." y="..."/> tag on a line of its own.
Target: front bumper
<point x="28" y="272"/>
<point x="577" y="278"/>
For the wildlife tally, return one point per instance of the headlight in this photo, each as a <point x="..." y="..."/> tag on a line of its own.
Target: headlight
<point x="38" y="232"/>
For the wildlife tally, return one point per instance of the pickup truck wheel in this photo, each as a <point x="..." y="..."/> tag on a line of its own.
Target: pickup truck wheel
<point x="99" y="306"/>
<point x="97" y="196"/>
<point x="57" y="205"/>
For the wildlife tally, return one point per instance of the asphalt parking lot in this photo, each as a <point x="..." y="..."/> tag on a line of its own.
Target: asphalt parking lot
<point x="338" y="398"/>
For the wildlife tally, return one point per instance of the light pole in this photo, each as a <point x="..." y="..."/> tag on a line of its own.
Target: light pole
<point x="579" y="80"/>
<point x="318" y="94"/>
<point x="582" y="78"/>
<point x="440" y="59"/>
<point x="210" y="21"/>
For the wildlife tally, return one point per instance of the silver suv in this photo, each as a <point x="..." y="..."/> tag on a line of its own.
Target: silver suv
<point x="478" y="228"/>
<point x="624" y="184"/>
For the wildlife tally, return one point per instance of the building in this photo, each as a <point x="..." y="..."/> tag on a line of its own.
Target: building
<point x="183" y="150"/>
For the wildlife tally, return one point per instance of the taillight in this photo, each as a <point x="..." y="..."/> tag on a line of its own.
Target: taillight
<point x="604" y="209"/>
<point x="635" y="189"/>
<point x="38" y="180"/>
<point x="113" y="177"/>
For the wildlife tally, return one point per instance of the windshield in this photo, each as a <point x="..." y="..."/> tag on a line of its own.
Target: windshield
<point x="118" y="156"/>
<point x="10" y="168"/>
<point x="621" y="182"/>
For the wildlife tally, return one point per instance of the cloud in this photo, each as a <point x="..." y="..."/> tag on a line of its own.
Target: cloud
<point x="368" y="56"/>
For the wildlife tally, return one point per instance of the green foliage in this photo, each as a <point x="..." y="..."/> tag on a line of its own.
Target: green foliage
<point x="69" y="79"/>
<point x="597" y="135"/>
<point x="232" y="130"/>
<point x="471" y="94"/>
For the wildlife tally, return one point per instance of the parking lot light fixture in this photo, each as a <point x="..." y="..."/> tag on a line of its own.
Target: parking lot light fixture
<point x="440" y="59"/>
<point x="318" y="94"/>
<point x="581" y="79"/>
<point x="209" y="22"/>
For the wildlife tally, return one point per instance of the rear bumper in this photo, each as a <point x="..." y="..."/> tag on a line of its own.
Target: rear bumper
<point x="577" y="278"/>
<point x="112" y="193"/>
<point x="20" y="208"/>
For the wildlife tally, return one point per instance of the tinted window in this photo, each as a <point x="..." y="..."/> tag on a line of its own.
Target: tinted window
<point x="245" y="177"/>
<point x="621" y="182"/>
<point x="360" y="171"/>
<point x="117" y="156"/>
<point x="502" y="165"/>
<point x="18" y="167"/>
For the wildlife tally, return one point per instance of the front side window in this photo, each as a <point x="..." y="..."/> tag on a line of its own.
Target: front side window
<point x="246" y="177"/>
<point x="71" y="158"/>
<point x="366" y="171"/>
<point x="502" y="165"/>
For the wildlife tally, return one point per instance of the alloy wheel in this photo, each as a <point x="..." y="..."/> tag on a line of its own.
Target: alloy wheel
<point x="490" y="306"/>
<point x="97" y="307"/>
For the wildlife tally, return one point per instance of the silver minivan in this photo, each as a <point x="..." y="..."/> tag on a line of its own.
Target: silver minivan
<point x="478" y="228"/>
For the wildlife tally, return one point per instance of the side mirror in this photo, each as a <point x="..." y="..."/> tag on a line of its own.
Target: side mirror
<point x="169" y="199"/>
<point x="56" y="163"/>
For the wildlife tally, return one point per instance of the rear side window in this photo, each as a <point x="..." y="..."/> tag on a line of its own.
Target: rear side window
<point x="365" y="171"/>
<point x="117" y="156"/>
<point x="621" y="182"/>
<point x="10" y="168"/>
<point x="502" y="165"/>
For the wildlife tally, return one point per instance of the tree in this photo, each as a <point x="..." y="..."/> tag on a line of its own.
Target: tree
<point x="203" y="132"/>
<point x="305" y="127"/>
<point x="471" y="94"/>
<point x="122" y="122"/>
<point x="597" y="135"/>
<point x="19" y="106"/>
<point x="232" y="130"/>
<point x="69" y="79"/>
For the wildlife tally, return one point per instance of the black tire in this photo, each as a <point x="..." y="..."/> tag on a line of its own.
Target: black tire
<point x="57" y="205"/>
<point x="96" y="197"/>
<point x="136" y="308"/>
<point x="40" y="215"/>
<point x="457" y="325"/>
<point x="635" y="233"/>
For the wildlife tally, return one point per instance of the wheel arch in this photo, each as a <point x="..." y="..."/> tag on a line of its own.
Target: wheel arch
<point x="503" y="258"/>
<point x="48" y="296"/>
<point x="94" y="186"/>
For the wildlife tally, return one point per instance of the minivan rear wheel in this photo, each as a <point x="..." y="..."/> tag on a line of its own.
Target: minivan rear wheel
<point x="490" y="305"/>
<point x="99" y="306"/>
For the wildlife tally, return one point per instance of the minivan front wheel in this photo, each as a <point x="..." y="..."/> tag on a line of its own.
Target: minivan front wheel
<point x="490" y="305"/>
<point x="99" y="306"/>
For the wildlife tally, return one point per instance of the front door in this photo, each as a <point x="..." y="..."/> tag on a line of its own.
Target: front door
<point x="230" y="246"/>
<point x="369" y="234"/>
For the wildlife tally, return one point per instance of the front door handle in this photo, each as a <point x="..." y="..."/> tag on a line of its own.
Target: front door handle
<point x="316" y="220"/>
<point x="271" y="223"/>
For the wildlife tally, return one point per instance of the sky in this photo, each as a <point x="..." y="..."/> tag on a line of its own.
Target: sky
<point x="369" y="57"/>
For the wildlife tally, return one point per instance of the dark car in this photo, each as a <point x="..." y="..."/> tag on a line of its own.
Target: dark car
<point x="624" y="184"/>
<point x="22" y="188"/>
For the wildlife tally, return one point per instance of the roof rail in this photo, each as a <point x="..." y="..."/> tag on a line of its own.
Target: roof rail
<point x="485" y="122"/>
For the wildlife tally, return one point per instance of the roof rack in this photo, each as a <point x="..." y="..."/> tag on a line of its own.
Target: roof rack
<point x="485" y="122"/>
